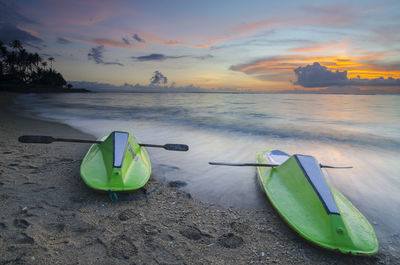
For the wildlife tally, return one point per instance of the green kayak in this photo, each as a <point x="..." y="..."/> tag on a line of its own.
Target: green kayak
<point x="119" y="163"/>
<point x="317" y="211"/>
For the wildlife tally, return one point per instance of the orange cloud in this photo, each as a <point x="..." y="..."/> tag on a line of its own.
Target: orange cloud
<point x="110" y="43"/>
<point x="263" y="24"/>
<point x="152" y="38"/>
<point x="281" y="67"/>
<point x="325" y="47"/>
<point x="30" y="31"/>
<point x="211" y="42"/>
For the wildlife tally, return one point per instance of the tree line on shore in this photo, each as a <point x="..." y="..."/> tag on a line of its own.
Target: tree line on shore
<point x="22" y="71"/>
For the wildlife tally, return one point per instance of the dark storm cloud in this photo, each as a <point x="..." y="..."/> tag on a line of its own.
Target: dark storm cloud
<point x="158" y="78"/>
<point x="316" y="75"/>
<point x="96" y="54"/>
<point x="137" y="38"/>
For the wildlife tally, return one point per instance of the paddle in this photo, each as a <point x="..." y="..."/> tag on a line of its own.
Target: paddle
<point x="259" y="165"/>
<point x="40" y="139"/>
<point x="242" y="164"/>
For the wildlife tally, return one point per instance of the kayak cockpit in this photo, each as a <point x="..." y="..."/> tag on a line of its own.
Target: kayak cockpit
<point x="312" y="172"/>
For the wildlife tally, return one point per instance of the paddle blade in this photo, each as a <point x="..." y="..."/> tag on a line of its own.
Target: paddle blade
<point x="36" y="139"/>
<point x="176" y="147"/>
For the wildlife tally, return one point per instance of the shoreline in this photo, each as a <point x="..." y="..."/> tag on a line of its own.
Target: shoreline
<point x="49" y="216"/>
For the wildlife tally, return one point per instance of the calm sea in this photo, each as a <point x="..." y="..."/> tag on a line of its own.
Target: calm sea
<point x="341" y="130"/>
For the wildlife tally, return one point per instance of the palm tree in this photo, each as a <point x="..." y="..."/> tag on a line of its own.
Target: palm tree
<point x="11" y="61"/>
<point x="3" y="54"/>
<point x="36" y="60"/>
<point x="51" y="59"/>
<point x="3" y="50"/>
<point x="23" y="63"/>
<point x="16" y="44"/>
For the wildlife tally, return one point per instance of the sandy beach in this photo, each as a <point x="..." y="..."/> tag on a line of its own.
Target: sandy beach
<point x="49" y="216"/>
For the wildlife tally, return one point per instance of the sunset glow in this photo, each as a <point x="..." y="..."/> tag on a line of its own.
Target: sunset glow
<point x="223" y="45"/>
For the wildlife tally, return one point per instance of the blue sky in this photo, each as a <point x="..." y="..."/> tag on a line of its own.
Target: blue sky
<point x="244" y="45"/>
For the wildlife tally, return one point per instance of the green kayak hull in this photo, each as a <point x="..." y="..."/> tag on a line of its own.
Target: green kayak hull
<point x="325" y="218"/>
<point x="119" y="163"/>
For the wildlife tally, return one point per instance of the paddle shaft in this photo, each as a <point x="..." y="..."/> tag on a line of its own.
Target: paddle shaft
<point x="39" y="139"/>
<point x="76" y="141"/>
<point x="242" y="164"/>
<point x="259" y="165"/>
<point x="152" y="145"/>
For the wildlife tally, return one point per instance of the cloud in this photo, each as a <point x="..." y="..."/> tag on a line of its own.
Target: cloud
<point x="158" y="78"/>
<point x="62" y="40"/>
<point x="123" y="43"/>
<point x="281" y="68"/>
<point x="275" y="68"/>
<point x="334" y="15"/>
<point x="211" y="42"/>
<point x="324" y="48"/>
<point x="171" y="43"/>
<point x="204" y="57"/>
<point x="109" y="43"/>
<point x="78" y="12"/>
<point x="316" y="75"/>
<point x="309" y="16"/>
<point x="11" y="29"/>
<point x="137" y="38"/>
<point x="126" y="41"/>
<point x="155" y="57"/>
<point x="261" y="41"/>
<point x="9" y="14"/>
<point x="163" y="57"/>
<point x="173" y="88"/>
<point x="10" y="32"/>
<point x="96" y="54"/>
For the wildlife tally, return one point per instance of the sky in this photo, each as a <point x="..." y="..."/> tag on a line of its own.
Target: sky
<point x="239" y="45"/>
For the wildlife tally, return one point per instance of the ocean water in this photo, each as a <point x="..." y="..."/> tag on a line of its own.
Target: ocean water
<point x="362" y="131"/>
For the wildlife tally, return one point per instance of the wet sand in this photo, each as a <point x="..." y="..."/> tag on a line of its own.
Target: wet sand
<point x="49" y="216"/>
